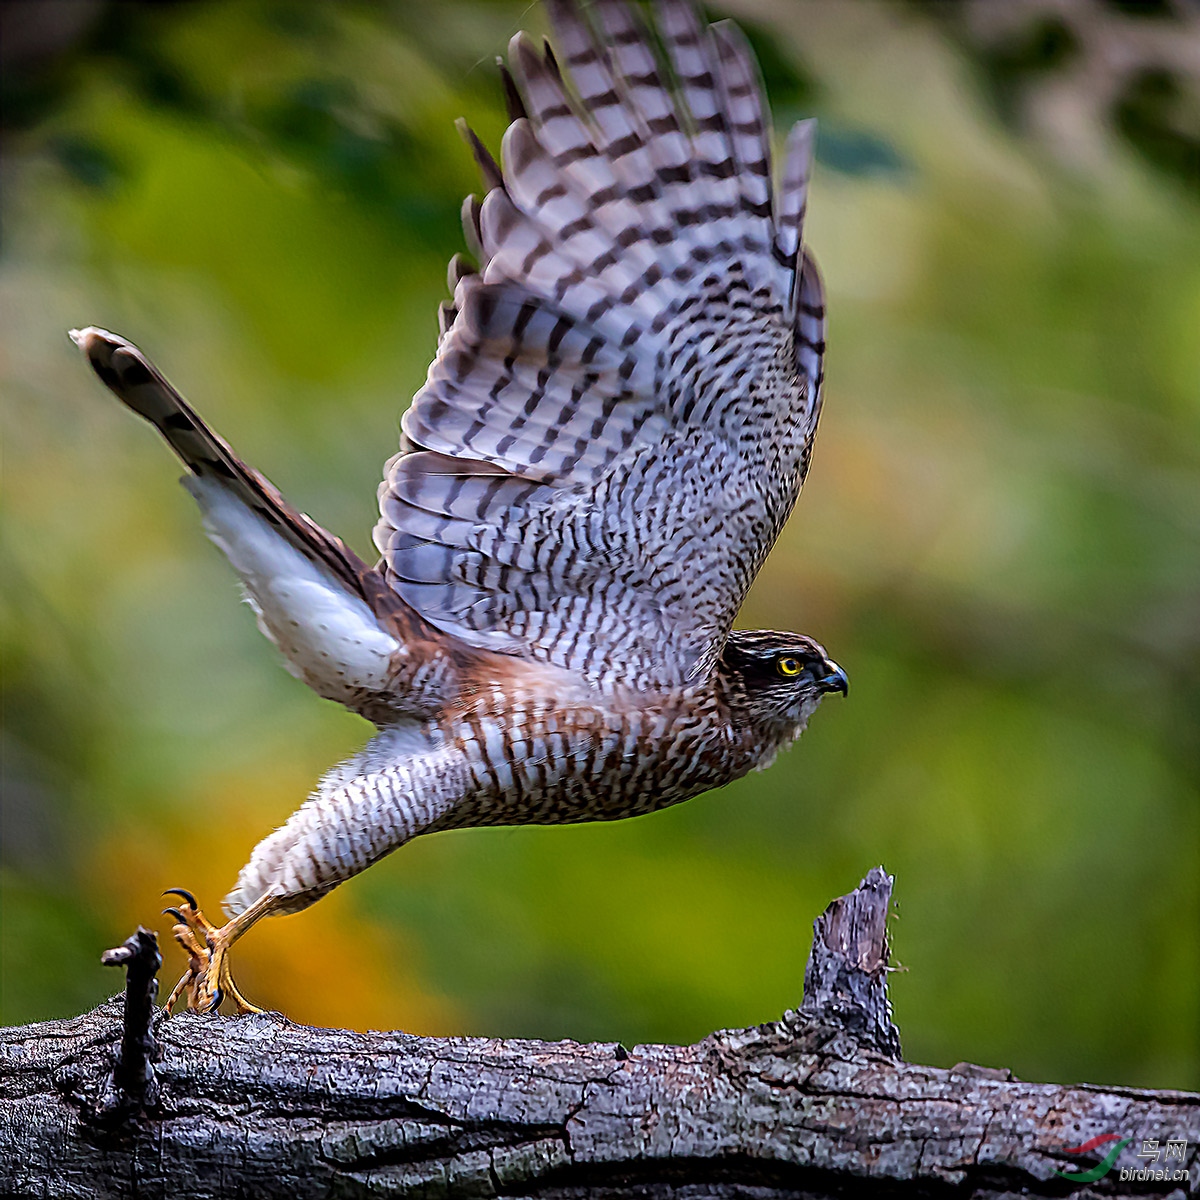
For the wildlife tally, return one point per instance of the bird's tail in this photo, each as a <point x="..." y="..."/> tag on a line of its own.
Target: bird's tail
<point x="313" y="596"/>
<point x="139" y="385"/>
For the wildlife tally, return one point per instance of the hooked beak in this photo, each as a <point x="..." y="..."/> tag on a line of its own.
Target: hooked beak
<point x="834" y="679"/>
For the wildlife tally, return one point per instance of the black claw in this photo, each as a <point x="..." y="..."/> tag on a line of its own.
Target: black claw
<point x="218" y="996"/>
<point x="184" y="894"/>
<point x="176" y="914"/>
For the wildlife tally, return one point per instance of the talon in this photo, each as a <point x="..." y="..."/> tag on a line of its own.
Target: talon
<point x="208" y="981"/>
<point x="185" y="895"/>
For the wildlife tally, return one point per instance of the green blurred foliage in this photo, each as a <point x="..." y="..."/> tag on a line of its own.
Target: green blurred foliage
<point x="1000" y="539"/>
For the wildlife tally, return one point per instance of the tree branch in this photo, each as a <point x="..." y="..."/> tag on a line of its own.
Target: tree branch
<point x="815" y="1104"/>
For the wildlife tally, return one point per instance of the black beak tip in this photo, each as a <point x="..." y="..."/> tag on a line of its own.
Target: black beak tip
<point x="835" y="680"/>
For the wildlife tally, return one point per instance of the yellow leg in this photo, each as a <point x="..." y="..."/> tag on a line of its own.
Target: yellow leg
<point x="208" y="980"/>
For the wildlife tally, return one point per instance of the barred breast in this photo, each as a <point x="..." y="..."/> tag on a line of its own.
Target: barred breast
<point x="534" y="759"/>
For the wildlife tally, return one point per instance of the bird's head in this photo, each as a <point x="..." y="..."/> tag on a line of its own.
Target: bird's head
<point x="776" y="680"/>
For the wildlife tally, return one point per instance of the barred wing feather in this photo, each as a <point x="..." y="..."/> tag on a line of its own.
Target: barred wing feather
<point x="620" y="414"/>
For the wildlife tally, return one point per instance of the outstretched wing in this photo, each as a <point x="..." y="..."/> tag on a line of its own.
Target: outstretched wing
<point x="619" y="417"/>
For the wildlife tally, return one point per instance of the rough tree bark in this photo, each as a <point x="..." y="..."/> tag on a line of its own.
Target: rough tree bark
<point x="816" y="1104"/>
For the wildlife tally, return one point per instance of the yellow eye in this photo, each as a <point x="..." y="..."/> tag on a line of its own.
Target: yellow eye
<point x="788" y="666"/>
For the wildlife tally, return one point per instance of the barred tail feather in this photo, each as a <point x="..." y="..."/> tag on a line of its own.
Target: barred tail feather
<point x="314" y="598"/>
<point x="139" y="385"/>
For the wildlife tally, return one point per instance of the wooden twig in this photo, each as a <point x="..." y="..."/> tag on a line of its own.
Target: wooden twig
<point x="131" y="1085"/>
<point x="815" y="1104"/>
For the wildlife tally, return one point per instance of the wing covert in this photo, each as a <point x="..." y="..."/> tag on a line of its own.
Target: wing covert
<point x="620" y="414"/>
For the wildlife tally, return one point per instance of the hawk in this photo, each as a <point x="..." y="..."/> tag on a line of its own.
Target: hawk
<point x="615" y="427"/>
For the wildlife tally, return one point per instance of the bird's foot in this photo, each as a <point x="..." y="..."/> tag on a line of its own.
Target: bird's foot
<point x="207" y="981"/>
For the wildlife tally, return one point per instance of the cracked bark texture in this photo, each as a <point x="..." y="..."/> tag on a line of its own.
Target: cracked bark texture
<point x="815" y="1104"/>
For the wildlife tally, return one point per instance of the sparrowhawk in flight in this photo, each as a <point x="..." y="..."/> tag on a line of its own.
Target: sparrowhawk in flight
<point x="614" y="429"/>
